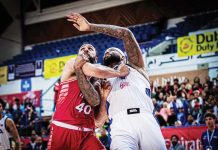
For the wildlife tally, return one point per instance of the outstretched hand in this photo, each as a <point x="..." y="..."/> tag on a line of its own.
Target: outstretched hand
<point x="78" y="21"/>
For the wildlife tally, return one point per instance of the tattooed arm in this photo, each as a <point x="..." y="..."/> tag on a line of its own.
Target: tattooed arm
<point x="131" y="45"/>
<point x="10" y="126"/>
<point x="88" y="90"/>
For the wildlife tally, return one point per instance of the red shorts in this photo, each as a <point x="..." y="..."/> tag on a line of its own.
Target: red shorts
<point x="67" y="139"/>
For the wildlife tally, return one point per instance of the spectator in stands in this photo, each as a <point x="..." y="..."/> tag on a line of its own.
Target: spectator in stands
<point x="152" y="89"/>
<point x="195" y="87"/>
<point x="182" y="96"/>
<point x="216" y="81"/>
<point x="209" y="140"/>
<point x="172" y="118"/>
<point x="175" y="143"/>
<point x="172" y="103"/>
<point x="7" y="130"/>
<point x="167" y="88"/>
<point x="158" y="90"/>
<point x="197" y="99"/>
<point x="156" y="105"/>
<point x="215" y="105"/>
<point x="178" y="123"/>
<point x="183" y="88"/>
<point x="208" y="82"/>
<point x="181" y="115"/>
<point x="44" y="133"/>
<point x="160" y="119"/>
<point x="205" y="95"/>
<point x="27" y="102"/>
<point x="165" y="111"/>
<point x="197" y="80"/>
<point x="175" y="81"/>
<point x="28" y="120"/>
<point x="190" y="121"/>
<point x="176" y="103"/>
<point x="17" y="112"/>
<point x="8" y="113"/>
<point x="197" y="113"/>
<point x="39" y="144"/>
<point x="187" y="84"/>
<point x="176" y="86"/>
<point x="31" y="145"/>
<point x="160" y="99"/>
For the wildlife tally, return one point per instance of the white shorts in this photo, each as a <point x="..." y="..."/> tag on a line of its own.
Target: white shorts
<point x="136" y="132"/>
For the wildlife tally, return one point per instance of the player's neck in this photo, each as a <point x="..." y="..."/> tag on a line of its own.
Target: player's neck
<point x="114" y="65"/>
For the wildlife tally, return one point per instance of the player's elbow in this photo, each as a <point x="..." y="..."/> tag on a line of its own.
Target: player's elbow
<point x="127" y="33"/>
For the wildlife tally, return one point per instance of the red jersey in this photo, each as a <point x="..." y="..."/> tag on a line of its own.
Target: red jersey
<point x="71" y="108"/>
<point x="56" y="89"/>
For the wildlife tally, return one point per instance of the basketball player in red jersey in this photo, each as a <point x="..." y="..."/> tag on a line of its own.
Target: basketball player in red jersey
<point x="73" y="121"/>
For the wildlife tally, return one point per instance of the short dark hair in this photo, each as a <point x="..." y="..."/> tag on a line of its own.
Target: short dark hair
<point x="89" y="43"/>
<point x="176" y="79"/>
<point x="210" y="115"/>
<point x="174" y="136"/>
<point x="3" y="103"/>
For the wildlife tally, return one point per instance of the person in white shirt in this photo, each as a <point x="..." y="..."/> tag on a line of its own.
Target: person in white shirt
<point x="130" y="108"/>
<point x="7" y="130"/>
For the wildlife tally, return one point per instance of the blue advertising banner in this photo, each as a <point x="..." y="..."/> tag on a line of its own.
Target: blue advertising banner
<point x="20" y="71"/>
<point x="26" y="85"/>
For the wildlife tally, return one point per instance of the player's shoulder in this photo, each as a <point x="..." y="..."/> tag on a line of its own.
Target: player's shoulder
<point x="9" y="122"/>
<point x="71" y="60"/>
<point x="70" y="63"/>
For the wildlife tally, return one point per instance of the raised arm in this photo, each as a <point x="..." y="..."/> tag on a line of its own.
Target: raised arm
<point x="10" y="126"/>
<point x="131" y="45"/>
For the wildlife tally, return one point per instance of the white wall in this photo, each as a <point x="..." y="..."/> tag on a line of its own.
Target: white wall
<point x="171" y="63"/>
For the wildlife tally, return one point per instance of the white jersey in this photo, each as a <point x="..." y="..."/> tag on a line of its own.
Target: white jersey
<point x="132" y="91"/>
<point x="130" y="109"/>
<point x="4" y="135"/>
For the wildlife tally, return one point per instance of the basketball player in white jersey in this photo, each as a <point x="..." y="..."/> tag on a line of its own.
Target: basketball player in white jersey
<point x="7" y="130"/>
<point x="130" y="108"/>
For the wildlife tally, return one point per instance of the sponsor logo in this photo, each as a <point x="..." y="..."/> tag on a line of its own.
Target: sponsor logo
<point x="124" y="84"/>
<point x="133" y="110"/>
<point x="186" y="45"/>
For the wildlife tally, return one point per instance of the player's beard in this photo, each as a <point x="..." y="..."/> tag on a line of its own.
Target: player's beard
<point x="112" y="59"/>
<point x="92" y="60"/>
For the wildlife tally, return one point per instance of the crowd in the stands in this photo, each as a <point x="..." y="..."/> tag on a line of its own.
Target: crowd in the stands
<point x="185" y="104"/>
<point x="176" y="104"/>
